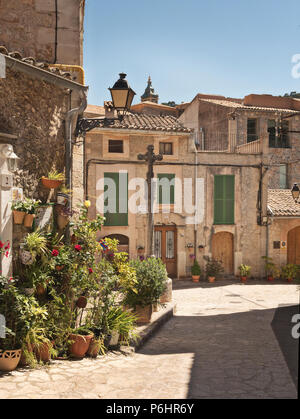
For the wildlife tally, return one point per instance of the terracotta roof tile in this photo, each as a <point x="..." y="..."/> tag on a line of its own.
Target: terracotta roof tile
<point x="150" y="122"/>
<point x="282" y="204"/>
<point x="232" y="104"/>
<point x="31" y="61"/>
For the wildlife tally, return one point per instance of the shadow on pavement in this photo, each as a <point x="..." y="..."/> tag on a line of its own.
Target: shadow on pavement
<point x="234" y="355"/>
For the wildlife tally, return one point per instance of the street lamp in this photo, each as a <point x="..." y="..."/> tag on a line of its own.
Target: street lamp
<point x="122" y="96"/>
<point x="296" y="193"/>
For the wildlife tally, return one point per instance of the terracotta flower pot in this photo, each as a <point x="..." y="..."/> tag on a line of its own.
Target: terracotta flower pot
<point x="42" y="352"/>
<point x="270" y="278"/>
<point x="94" y="348"/>
<point x="195" y="278"/>
<point x="62" y="221"/>
<point x="40" y="289"/>
<point x="80" y="345"/>
<point x="9" y="360"/>
<point x="290" y="279"/>
<point x="59" y="267"/>
<point x="81" y="302"/>
<point x="51" y="184"/>
<point x="143" y="314"/>
<point x="19" y="216"/>
<point x="243" y="278"/>
<point x="211" y="279"/>
<point x="28" y="220"/>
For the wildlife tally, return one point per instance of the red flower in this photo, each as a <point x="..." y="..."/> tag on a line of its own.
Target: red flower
<point x="1" y="244"/>
<point x="91" y="270"/>
<point x="7" y="246"/>
<point x="78" y="247"/>
<point x="55" y="252"/>
<point x="6" y="254"/>
<point x="11" y="279"/>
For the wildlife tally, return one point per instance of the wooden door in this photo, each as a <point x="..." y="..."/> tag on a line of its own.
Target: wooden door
<point x="165" y="247"/>
<point x="293" y="246"/>
<point x="222" y="249"/>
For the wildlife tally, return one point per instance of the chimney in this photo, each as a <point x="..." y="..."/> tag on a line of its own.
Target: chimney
<point x="110" y="112"/>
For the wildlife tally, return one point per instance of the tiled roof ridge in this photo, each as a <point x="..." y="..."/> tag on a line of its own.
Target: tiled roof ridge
<point x="233" y="104"/>
<point x="39" y="64"/>
<point x="282" y="204"/>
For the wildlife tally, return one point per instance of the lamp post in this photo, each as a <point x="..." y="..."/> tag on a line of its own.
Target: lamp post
<point x="122" y="96"/>
<point x="296" y="193"/>
<point x="150" y="157"/>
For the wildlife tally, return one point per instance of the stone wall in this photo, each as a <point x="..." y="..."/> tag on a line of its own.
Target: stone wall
<point x="29" y="26"/>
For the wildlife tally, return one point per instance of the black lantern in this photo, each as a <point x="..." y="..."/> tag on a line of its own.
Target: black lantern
<point x="122" y="95"/>
<point x="296" y="192"/>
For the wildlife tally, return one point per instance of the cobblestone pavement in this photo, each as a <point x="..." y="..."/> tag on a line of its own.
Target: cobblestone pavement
<point x="220" y="344"/>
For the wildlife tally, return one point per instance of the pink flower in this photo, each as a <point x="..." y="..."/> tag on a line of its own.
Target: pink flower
<point x="78" y="247"/>
<point x="55" y="252"/>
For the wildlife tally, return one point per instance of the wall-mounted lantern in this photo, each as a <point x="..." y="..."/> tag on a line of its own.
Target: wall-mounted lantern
<point x="7" y="151"/>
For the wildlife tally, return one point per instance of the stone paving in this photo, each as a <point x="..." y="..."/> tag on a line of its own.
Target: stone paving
<point x="220" y="344"/>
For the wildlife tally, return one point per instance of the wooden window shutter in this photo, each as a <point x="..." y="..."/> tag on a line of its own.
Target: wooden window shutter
<point x="224" y="199"/>
<point x="170" y="177"/>
<point x="116" y="218"/>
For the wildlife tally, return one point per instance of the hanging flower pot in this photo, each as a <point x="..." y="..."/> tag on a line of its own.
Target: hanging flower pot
<point x="28" y="220"/>
<point x="62" y="198"/>
<point x="26" y="257"/>
<point x="9" y="360"/>
<point x="51" y="184"/>
<point x="19" y="216"/>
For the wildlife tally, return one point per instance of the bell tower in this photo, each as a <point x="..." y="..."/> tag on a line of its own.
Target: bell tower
<point x="149" y="95"/>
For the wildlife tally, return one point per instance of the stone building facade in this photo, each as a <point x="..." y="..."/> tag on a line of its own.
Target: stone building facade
<point x="35" y="102"/>
<point x="181" y="235"/>
<point x="48" y="30"/>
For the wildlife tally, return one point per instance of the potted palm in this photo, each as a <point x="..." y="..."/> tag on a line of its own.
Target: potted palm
<point x="289" y="271"/>
<point x="196" y="271"/>
<point x="213" y="269"/>
<point x="244" y="272"/>
<point x="53" y="180"/>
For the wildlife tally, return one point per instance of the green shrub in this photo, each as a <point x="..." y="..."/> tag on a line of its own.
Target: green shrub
<point x="196" y="270"/>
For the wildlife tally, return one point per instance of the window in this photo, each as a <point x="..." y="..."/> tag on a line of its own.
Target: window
<point x="251" y="130"/>
<point x="116" y="200"/>
<point x="115" y="146"/>
<point x="283" y="176"/>
<point x="278" y="139"/>
<point x="224" y="199"/>
<point x="166" y="148"/>
<point x="166" y="188"/>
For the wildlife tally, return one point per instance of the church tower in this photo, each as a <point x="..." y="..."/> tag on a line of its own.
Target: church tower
<point x="149" y="95"/>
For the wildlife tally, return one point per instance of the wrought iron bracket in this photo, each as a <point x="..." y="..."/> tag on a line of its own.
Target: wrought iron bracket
<point x="87" y="124"/>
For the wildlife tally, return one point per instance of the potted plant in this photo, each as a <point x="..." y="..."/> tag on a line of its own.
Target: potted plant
<point x="289" y="271"/>
<point x="272" y="271"/>
<point x="53" y="180"/>
<point x="63" y="216"/>
<point x="33" y="245"/>
<point x="80" y="340"/>
<point x="151" y="278"/>
<point x="196" y="271"/>
<point x="96" y="346"/>
<point x="31" y="205"/>
<point x="19" y="210"/>
<point x="63" y="196"/>
<point x="244" y="272"/>
<point x="213" y="268"/>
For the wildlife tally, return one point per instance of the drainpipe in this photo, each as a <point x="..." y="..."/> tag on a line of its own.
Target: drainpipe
<point x="70" y="118"/>
<point x="196" y="198"/>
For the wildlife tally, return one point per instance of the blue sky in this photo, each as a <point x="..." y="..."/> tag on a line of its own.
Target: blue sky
<point x="228" y="47"/>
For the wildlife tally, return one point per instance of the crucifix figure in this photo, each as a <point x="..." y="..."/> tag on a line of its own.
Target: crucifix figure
<point x="150" y="157"/>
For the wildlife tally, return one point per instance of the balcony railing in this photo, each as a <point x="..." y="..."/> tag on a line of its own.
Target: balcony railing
<point x="226" y="143"/>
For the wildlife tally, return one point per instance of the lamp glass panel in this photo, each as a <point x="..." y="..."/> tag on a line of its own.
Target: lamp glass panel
<point x="119" y="97"/>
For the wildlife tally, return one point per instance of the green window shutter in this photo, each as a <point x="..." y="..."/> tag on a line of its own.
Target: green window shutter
<point x="224" y="199"/>
<point x="116" y="218"/>
<point x="169" y="177"/>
